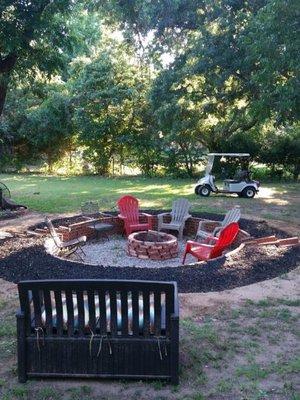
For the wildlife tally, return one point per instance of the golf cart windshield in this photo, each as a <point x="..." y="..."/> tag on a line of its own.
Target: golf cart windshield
<point x="211" y="158"/>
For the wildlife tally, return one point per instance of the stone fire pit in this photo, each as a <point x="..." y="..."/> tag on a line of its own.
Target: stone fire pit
<point x="152" y="245"/>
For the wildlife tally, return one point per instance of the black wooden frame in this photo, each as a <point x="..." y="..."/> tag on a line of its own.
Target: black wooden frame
<point x="50" y="347"/>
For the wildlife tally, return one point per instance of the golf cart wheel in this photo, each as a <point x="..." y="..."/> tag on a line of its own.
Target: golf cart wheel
<point x="249" y="192"/>
<point x="203" y="191"/>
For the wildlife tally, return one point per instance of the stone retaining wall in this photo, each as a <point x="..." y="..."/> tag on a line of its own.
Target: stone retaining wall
<point x="153" y="250"/>
<point x="83" y="228"/>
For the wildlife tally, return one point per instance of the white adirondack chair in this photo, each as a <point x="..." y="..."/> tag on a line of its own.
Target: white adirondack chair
<point x="179" y="214"/>
<point x="232" y="215"/>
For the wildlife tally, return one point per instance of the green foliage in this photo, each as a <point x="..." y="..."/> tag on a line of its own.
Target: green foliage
<point x="32" y="35"/>
<point x="276" y="59"/>
<point x="282" y="148"/>
<point x="48" y="128"/>
<point x="26" y="27"/>
<point x="144" y="142"/>
<point x="106" y="89"/>
<point x="152" y="85"/>
<point x="37" y="124"/>
<point x="178" y="121"/>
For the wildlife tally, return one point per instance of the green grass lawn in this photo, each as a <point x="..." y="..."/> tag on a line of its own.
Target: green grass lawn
<point x="65" y="194"/>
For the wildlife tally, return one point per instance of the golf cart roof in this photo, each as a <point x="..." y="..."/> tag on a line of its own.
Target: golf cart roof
<point x="229" y="154"/>
<point x="211" y="158"/>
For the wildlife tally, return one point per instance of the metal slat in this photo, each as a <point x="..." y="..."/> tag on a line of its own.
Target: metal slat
<point x="169" y="309"/>
<point x="124" y="312"/>
<point x="81" y="312"/>
<point x="25" y="300"/>
<point x="113" y="312"/>
<point x="146" y="312"/>
<point x="70" y="312"/>
<point x="135" y="312"/>
<point x="92" y="311"/>
<point x="157" y="313"/>
<point x="59" y="311"/>
<point x="48" y="310"/>
<point x="102" y="307"/>
<point x="37" y="308"/>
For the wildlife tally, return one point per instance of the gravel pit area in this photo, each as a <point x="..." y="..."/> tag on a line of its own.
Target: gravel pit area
<point x="113" y="252"/>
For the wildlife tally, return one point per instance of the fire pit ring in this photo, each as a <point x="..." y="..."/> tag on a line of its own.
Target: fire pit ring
<point x="152" y="245"/>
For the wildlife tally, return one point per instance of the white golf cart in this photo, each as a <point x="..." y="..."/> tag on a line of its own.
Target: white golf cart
<point x="242" y="185"/>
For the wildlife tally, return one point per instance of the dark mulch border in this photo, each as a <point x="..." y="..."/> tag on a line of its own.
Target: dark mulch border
<point x="26" y="258"/>
<point x="10" y="214"/>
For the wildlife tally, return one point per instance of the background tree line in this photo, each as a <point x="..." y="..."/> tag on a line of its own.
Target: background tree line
<point x="152" y="85"/>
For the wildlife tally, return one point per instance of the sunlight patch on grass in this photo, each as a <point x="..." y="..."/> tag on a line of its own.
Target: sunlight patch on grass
<point x="268" y="192"/>
<point x="277" y="202"/>
<point x="55" y="194"/>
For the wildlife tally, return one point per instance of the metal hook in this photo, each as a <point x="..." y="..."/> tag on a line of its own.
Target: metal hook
<point x="159" y="348"/>
<point x="91" y="341"/>
<point x="100" y="346"/>
<point x="37" y="330"/>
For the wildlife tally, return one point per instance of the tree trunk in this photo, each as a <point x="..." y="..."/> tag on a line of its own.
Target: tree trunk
<point x="188" y="163"/>
<point x="102" y="166"/>
<point x="50" y="161"/>
<point x="103" y="170"/>
<point x="6" y="66"/>
<point x="50" y="166"/>
<point x="296" y="172"/>
<point x="3" y="91"/>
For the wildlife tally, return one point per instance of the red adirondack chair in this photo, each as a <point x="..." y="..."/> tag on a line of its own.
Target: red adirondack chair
<point x="129" y="213"/>
<point x="204" y="251"/>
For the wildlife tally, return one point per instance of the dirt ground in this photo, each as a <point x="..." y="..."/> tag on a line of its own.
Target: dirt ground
<point x="287" y="286"/>
<point x="22" y="223"/>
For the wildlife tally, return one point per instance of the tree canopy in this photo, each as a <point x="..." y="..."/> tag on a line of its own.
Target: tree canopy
<point x="152" y="85"/>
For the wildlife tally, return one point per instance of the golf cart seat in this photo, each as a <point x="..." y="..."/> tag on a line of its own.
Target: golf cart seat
<point x="243" y="175"/>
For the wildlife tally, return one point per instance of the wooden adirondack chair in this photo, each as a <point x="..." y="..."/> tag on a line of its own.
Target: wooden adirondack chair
<point x="70" y="246"/>
<point x="129" y="213"/>
<point x="204" y="251"/>
<point x="179" y="215"/>
<point x="203" y="232"/>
